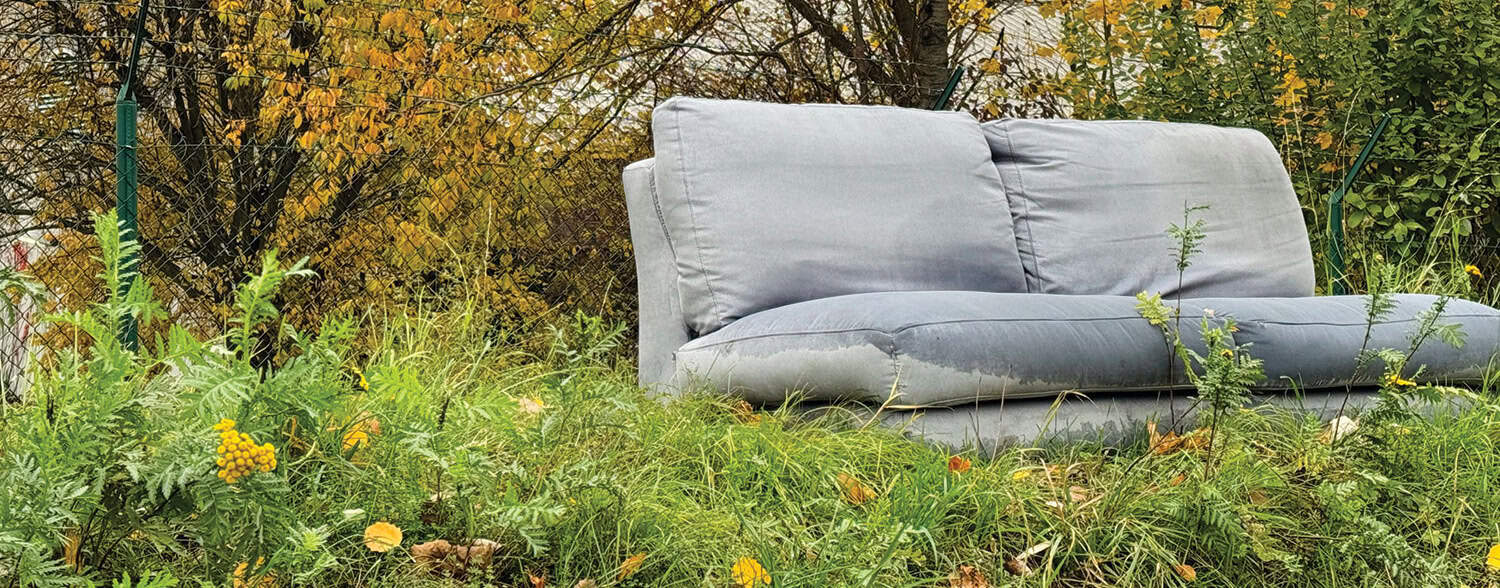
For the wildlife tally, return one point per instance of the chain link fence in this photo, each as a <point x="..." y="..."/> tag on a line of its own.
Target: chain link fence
<point x="432" y="153"/>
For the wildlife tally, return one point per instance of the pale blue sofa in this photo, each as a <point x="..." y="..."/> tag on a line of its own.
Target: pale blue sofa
<point x="963" y="275"/>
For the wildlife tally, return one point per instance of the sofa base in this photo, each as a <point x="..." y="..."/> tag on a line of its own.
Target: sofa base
<point x="1113" y="419"/>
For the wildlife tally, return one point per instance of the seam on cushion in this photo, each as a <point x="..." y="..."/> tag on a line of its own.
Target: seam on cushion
<point x="890" y="387"/>
<point x="1361" y="324"/>
<point x="904" y="328"/>
<point x="661" y="219"/>
<point x="713" y="301"/>
<point x="1025" y="206"/>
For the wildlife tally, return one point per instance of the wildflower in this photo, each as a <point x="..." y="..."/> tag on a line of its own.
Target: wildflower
<point x="1019" y="475"/>
<point x="1492" y="561"/>
<point x="1473" y="270"/>
<point x="1186" y="572"/>
<point x="959" y="464"/>
<point x="363" y="383"/>
<point x="854" y="490"/>
<point x="1226" y="353"/>
<point x="239" y="455"/>
<point x="748" y="573"/>
<point x="382" y="537"/>
<point x="630" y="566"/>
<point x="1395" y="380"/>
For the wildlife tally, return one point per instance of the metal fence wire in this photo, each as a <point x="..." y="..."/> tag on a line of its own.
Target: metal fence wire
<point x="439" y="151"/>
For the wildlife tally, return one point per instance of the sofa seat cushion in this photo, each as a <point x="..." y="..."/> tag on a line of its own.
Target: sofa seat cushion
<point x="766" y="205"/>
<point x="1314" y="342"/>
<point x="924" y="349"/>
<point x="912" y="349"/>
<point x="1093" y="199"/>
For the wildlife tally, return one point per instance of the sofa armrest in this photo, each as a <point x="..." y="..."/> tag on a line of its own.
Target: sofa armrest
<point x="662" y="326"/>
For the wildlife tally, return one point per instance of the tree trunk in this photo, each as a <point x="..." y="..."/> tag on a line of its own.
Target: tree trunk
<point x="931" y="52"/>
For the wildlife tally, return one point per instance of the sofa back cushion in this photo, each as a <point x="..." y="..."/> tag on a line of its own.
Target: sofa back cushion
<point x="1093" y="201"/>
<point x="766" y="205"/>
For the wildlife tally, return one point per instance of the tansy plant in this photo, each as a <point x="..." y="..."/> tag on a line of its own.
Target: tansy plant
<point x="171" y="444"/>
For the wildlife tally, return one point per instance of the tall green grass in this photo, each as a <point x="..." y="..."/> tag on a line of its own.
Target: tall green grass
<point x="549" y="450"/>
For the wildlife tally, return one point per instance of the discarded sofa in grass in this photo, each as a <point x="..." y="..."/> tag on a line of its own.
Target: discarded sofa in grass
<point x="964" y="275"/>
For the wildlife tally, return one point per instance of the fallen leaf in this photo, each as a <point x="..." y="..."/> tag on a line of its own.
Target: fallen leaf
<point x="586" y="583"/>
<point x="967" y="576"/>
<point x="70" y="549"/>
<point x="1077" y="494"/>
<point x="382" y="537"/>
<point x="630" y="566"/>
<point x="537" y="581"/>
<point x="1019" y="565"/>
<point x="855" y="492"/>
<point x="1177" y="480"/>
<point x="241" y="580"/>
<point x="1338" y="428"/>
<point x="1186" y="572"/>
<point x="748" y="573"/>
<point x="1257" y="497"/>
<point x="532" y="406"/>
<point x="432" y="553"/>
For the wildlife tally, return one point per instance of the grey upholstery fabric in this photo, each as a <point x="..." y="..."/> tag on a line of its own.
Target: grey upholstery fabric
<point x="1312" y="342"/>
<point x="920" y="349"/>
<point x="933" y="348"/>
<point x="1102" y="418"/>
<point x="769" y="205"/>
<point x="662" y="329"/>
<point x="1092" y="202"/>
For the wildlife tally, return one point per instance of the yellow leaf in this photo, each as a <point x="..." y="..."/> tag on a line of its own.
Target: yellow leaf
<point x="748" y="573"/>
<point x="382" y="537"/>
<point x="1186" y="572"/>
<point x="854" y="490"/>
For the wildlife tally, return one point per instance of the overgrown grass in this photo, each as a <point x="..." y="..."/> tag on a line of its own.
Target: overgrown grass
<point x="551" y="452"/>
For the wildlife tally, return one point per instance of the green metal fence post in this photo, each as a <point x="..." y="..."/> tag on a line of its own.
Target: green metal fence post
<point x="942" y="101"/>
<point x="125" y="164"/>
<point x="1337" y="277"/>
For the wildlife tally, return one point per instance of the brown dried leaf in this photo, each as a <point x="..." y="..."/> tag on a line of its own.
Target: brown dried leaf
<point x="630" y="566"/>
<point x="967" y="576"/>
<point x="431" y="553"/>
<point x="1186" y="572"/>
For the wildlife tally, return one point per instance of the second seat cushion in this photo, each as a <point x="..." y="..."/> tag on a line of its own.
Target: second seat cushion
<point x="915" y="349"/>
<point x="1093" y="200"/>
<point x="766" y="205"/>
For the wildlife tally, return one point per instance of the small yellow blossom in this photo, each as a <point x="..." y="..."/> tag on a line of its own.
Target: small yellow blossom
<point x="1492" y="561"/>
<point x="748" y="573"/>
<point x="1473" y="270"/>
<point x="1397" y="380"/>
<point x="382" y="537"/>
